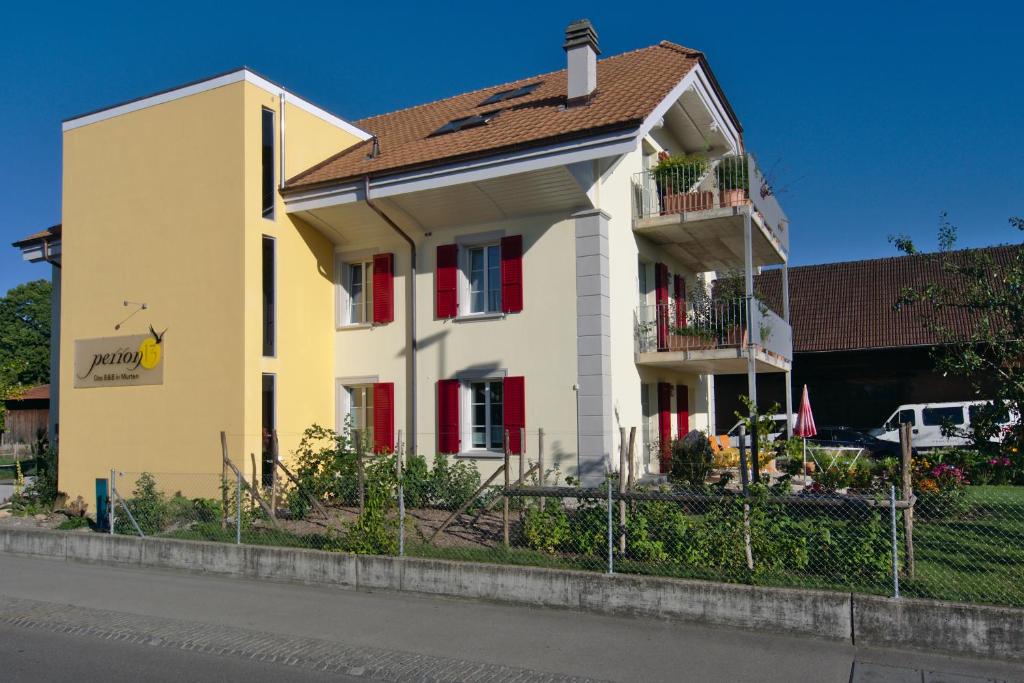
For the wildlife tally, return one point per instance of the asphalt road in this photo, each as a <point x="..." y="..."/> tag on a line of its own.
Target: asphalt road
<point x="96" y="622"/>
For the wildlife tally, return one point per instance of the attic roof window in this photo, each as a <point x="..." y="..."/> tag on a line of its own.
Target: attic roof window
<point x="473" y="121"/>
<point x="510" y="94"/>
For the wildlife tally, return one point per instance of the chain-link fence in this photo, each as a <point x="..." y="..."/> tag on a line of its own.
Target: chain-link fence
<point x="964" y="544"/>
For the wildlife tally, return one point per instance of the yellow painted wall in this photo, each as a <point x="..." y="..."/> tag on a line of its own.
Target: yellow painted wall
<point x="153" y="213"/>
<point x="304" y="362"/>
<point x="162" y="205"/>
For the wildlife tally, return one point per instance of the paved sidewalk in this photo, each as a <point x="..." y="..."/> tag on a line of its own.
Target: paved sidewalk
<point x="392" y="636"/>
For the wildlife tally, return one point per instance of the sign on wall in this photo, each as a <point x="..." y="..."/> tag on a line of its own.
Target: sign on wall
<point x="128" y="361"/>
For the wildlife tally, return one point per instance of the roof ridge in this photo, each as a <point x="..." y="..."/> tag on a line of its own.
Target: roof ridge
<point x="876" y="259"/>
<point x="663" y="44"/>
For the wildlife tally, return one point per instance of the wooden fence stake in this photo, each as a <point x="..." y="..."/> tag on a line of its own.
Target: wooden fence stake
<point x="542" y="474"/>
<point x="631" y="482"/>
<point x="623" y="467"/>
<point x="504" y="497"/>
<point x="223" y="481"/>
<point x="490" y="506"/>
<point x="358" y="435"/>
<point x="907" y="445"/>
<point x="255" y="494"/>
<point x="465" y="506"/>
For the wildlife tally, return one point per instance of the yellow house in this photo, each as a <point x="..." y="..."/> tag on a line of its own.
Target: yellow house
<point x="234" y="259"/>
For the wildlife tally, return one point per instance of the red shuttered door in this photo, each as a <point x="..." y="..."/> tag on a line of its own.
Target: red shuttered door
<point x="665" y="424"/>
<point x="680" y="295"/>
<point x="512" y="274"/>
<point x="446" y="283"/>
<point x="515" y="411"/>
<point x="682" y="410"/>
<point x="383" y="288"/>
<point x="448" y="440"/>
<point x="661" y="298"/>
<point x="384" y="417"/>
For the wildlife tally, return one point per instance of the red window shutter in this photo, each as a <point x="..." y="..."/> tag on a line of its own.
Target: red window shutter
<point x="446" y="282"/>
<point x="514" y="407"/>
<point x="512" y="274"/>
<point x="661" y="297"/>
<point x="682" y="410"/>
<point x="383" y="416"/>
<point x="680" y="295"/>
<point x="383" y="288"/>
<point x="448" y="437"/>
<point x="665" y="423"/>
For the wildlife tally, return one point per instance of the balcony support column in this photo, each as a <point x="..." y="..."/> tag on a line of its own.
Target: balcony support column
<point x="748" y="276"/>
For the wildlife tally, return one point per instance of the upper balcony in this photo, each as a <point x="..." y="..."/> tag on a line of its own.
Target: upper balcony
<point x="696" y="209"/>
<point x="713" y="337"/>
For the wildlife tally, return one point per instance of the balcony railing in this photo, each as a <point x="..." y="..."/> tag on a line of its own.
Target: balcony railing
<point x="697" y="185"/>
<point x="717" y="324"/>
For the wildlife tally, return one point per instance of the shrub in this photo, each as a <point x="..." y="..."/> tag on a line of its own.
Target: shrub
<point x="732" y="173"/>
<point x="72" y="523"/>
<point x="148" y="506"/>
<point x="451" y="484"/>
<point x="546" y="530"/>
<point x="677" y="173"/>
<point x="691" y="459"/>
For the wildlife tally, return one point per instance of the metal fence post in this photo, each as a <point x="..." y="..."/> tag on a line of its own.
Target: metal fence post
<point x="238" y="508"/>
<point x="895" y="555"/>
<point x="112" y="496"/>
<point x="400" y="474"/>
<point x="611" y="556"/>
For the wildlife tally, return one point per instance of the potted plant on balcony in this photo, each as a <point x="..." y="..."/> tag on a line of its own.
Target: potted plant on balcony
<point x="676" y="177"/>
<point x="733" y="181"/>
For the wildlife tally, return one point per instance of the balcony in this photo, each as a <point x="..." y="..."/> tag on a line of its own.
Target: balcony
<point x="713" y="337"/>
<point x="696" y="208"/>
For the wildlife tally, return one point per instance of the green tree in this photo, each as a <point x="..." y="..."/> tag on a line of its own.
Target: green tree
<point x="24" y="339"/>
<point x="990" y="295"/>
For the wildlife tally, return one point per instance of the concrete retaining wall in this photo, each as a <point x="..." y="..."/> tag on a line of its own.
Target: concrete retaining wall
<point x="866" y="620"/>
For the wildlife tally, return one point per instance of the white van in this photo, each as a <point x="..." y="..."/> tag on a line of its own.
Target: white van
<point x="926" y="420"/>
<point x="779" y="421"/>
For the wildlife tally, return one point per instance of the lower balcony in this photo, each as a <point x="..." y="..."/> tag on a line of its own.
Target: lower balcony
<point x="713" y="337"/>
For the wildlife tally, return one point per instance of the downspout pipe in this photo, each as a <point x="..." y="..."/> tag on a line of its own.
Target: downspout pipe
<point x="410" y="312"/>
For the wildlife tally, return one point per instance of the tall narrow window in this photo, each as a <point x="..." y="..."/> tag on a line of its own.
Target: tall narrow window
<point x="487" y="414"/>
<point x="485" y="279"/>
<point x="642" y="282"/>
<point x="645" y="412"/>
<point x="360" y="292"/>
<point x="267" y="170"/>
<point x="269" y="298"/>
<point x="360" y="401"/>
<point x="269" y="405"/>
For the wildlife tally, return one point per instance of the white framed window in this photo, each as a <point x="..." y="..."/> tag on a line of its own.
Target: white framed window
<point x="354" y="288"/>
<point x="486" y="414"/>
<point x="483" y="269"/>
<point x="360" y="409"/>
<point x="646" y="416"/>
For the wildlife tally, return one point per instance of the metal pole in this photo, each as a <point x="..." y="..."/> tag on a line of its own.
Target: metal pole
<point x="611" y="561"/>
<point x="400" y="473"/>
<point x="238" y="508"/>
<point x="895" y="556"/>
<point x="110" y="496"/>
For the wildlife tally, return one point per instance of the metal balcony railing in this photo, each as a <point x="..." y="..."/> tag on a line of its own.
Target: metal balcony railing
<point x="690" y="185"/>
<point x="715" y="324"/>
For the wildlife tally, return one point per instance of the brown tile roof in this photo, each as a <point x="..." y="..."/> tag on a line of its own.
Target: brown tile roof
<point x="36" y="393"/>
<point x="629" y="87"/>
<point x="849" y="306"/>
<point x="51" y="232"/>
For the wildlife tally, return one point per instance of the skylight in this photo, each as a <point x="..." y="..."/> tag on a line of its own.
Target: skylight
<point x="473" y="121"/>
<point x="510" y="94"/>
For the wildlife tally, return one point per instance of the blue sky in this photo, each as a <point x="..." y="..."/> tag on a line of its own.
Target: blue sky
<point x="873" y="117"/>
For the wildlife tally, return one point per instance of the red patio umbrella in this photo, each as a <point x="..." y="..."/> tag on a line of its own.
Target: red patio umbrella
<point x="805" y="425"/>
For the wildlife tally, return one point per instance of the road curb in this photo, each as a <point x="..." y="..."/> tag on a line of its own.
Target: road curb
<point x="952" y="628"/>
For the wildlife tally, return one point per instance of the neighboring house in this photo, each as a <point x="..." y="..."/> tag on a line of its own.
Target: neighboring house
<point x="26" y="417"/>
<point x="501" y="260"/>
<point x="859" y="356"/>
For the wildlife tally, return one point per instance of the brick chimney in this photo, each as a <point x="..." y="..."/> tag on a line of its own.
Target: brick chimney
<point x="581" y="52"/>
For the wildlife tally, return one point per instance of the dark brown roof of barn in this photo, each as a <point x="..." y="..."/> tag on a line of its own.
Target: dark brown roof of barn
<point x="629" y="87"/>
<point x="49" y="233"/>
<point x="850" y="306"/>
<point x="36" y="393"/>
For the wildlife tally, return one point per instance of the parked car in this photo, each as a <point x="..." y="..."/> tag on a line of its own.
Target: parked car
<point x="927" y="419"/>
<point x="779" y="429"/>
<point x="848" y="437"/>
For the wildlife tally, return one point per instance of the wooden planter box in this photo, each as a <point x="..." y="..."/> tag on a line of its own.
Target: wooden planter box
<point x="685" y="202"/>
